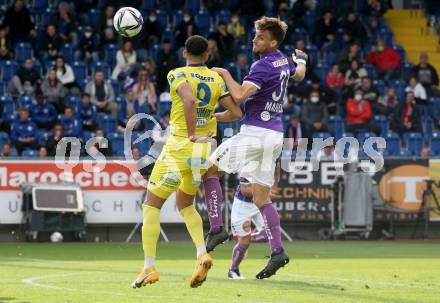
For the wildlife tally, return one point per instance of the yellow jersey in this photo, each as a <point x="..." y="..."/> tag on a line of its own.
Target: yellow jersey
<point x="207" y="86"/>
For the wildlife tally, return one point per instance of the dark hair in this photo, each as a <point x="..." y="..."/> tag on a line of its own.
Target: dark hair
<point x="196" y="45"/>
<point x="275" y="26"/>
<point x="68" y="107"/>
<point x="85" y="95"/>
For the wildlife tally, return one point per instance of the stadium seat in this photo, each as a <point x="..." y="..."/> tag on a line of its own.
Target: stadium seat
<point x="164" y="107"/>
<point x="39" y="6"/>
<point x="301" y="34"/>
<point x="435" y="143"/>
<point x="336" y="125"/>
<point x="401" y="52"/>
<point x="149" y="5"/>
<point x="223" y="16"/>
<point x="102" y="66"/>
<point x="393" y="143"/>
<point x="380" y="85"/>
<point x="313" y="53"/>
<point x="288" y="49"/>
<point x="203" y="20"/>
<point x="24" y="101"/>
<point x="8" y="107"/>
<point x="386" y="35"/>
<point x="4" y="138"/>
<point x="193" y="5"/>
<point x="405" y="153"/>
<point x="2" y="88"/>
<point x="79" y="69"/>
<point x="110" y="53"/>
<point x="143" y="145"/>
<point x="406" y="70"/>
<point x="428" y="124"/>
<point x="414" y="142"/>
<point x="107" y="123"/>
<point x="68" y="53"/>
<point x="42" y="136"/>
<point x="169" y="34"/>
<point x="321" y="70"/>
<point x="362" y="136"/>
<point x="162" y="17"/>
<point x="399" y="86"/>
<point x="371" y="71"/>
<point x="30" y="153"/>
<point x="310" y="22"/>
<point x="117" y="140"/>
<point x="23" y="51"/>
<point x="382" y="121"/>
<point x="94" y="15"/>
<point x="322" y="135"/>
<point x="48" y="14"/>
<point x="116" y="87"/>
<point x="8" y="69"/>
<point x="74" y="102"/>
<point x="87" y="135"/>
<point x="154" y="50"/>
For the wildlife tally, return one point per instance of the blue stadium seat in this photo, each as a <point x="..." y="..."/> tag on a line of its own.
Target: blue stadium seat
<point x="107" y="123"/>
<point x="362" y="136"/>
<point x="313" y="53"/>
<point x="223" y="16"/>
<point x="48" y="14"/>
<point x="371" y="71"/>
<point x="87" y="135"/>
<point x="102" y="66"/>
<point x="322" y="135"/>
<point x="399" y="86"/>
<point x="331" y="58"/>
<point x="406" y="70"/>
<point x="401" y="52"/>
<point x="149" y="5"/>
<point x="2" y="88"/>
<point x="42" y="136"/>
<point x="110" y="53"/>
<point x="8" y="69"/>
<point x="30" y="153"/>
<point x="80" y="71"/>
<point x="38" y="66"/>
<point x="345" y="134"/>
<point x="393" y="144"/>
<point x="428" y="123"/>
<point x="162" y="17"/>
<point x="116" y="87"/>
<point x="68" y="52"/>
<point x="164" y="107"/>
<point x="154" y="50"/>
<point x="405" y="153"/>
<point x="380" y="85"/>
<point x="4" y="138"/>
<point x="414" y="142"/>
<point x="300" y="34"/>
<point x="177" y="17"/>
<point x="382" y="121"/>
<point x="193" y="5"/>
<point x="39" y="6"/>
<point x="8" y="107"/>
<point x="74" y="102"/>
<point x="288" y="49"/>
<point x="143" y="145"/>
<point x="336" y="125"/>
<point x="322" y="70"/>
<point x="386" y="35"/>
<point x="203" y="20"/>
<point x="117" y="140"/>
<point x="94" y="15"/>
<point x="310" y="21"/>
<point x="435" y="143"/>
<point x="24" y="101"/>
<point x="23" y="51"/>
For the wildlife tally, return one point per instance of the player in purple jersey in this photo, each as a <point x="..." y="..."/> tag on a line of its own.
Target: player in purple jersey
<point x="253" y="151"/>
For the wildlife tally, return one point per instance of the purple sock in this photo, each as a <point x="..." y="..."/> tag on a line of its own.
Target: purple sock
<point x="260" y="236"/>
<point x="238" y="254"/>
<point x="213" y="201"/>
<point x="272" y="222"/>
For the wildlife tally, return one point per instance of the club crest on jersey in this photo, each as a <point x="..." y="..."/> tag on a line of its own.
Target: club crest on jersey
<point x="265" y="116"/>
<point x="180" y="75"/>
<point x="171" y="78"/>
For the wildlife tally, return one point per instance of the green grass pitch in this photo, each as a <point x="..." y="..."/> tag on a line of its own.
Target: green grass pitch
<point x="401" y="272"/>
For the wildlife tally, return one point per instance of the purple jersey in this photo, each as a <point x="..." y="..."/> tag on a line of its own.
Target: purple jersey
<point x="270" y="75"/>
<point x="238" y="193"/>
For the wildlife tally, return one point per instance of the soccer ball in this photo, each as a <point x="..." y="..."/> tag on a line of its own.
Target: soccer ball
<point x="56" y="237"/>
<point x="128" y="21"/>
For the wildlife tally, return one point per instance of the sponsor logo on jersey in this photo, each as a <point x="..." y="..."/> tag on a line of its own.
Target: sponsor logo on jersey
<point x="265" y="116"/>
<point x="280" y="62"/>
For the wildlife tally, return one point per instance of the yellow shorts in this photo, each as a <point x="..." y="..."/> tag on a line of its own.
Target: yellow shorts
<point x="180" y="165"/>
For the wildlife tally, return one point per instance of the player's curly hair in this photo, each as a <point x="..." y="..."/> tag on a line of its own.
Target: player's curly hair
<point x="275" y="26"/>
<point x="196" y="45"/>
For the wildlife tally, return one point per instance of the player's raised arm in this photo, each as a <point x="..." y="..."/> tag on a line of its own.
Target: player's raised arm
<point x="300" y="58"/>
<point x="232" y="112"/>
<point x="186" y="94"/>
<point x="238" y="92"/>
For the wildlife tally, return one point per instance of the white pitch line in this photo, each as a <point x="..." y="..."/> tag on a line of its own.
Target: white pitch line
<point x="371" y="282"/>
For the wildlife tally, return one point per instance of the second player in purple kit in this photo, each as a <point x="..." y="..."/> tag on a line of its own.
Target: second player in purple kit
<point x="253" y="152"/>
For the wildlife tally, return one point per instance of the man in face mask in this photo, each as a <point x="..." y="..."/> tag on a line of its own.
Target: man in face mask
<point x="152" y="30"/>
<point x="359" y="114"/>
<point x="314" y="115"/>
<point x="185" y="29"/>
<point x="386" y="60"/>
<point x="87" y="47"/>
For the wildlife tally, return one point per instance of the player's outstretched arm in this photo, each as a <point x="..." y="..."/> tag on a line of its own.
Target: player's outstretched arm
<point x="232" y="113"/>
<point x="238" y="92"/>
<point x="186" y="94"/>
<point x="300" y="58"/>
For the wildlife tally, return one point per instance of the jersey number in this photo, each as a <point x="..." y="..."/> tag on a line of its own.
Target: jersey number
<point x="203" y="90"/>
<point x="284" y="77"/>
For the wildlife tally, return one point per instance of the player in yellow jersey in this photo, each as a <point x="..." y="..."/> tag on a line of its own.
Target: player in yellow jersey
<point x="195" y="91"/>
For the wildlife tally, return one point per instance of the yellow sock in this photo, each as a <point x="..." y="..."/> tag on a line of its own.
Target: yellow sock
<point x="194" y="224"/>
<point x="150" y="230"/>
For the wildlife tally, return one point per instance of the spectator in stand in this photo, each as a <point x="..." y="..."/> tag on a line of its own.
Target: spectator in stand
<point x="185" y="29"/>
<point x="52" y="141"/>
<point x="24" y="132"/>
<point x="418" y="90"/>
<point x="314" y="115"/>
<point x="386" y="60"/>
<point x="214" y="56"/>
<point x="327" y="153"/>
<point x="240" y="68"/>
<point x="53" y="90"/>
<point x="66" y="24"/>
<point x="225" y="42"/>
<point x="236" y="29"/>
<point x="102" y="94"/>
<point x="128" y="107"/>
<point x="103" y="145"/>
<point x="6" y="51"/>
<point x="50" y="44"/>
<point x="43" y="113"/>
<point x="87" y="48"/>
<point x="371" y="93"/>
<point x="7" y="151"/>
<point x="293" y="131"/>
<point x="150" y="66"/>
<point x="125" y="57"/>
<point x="286" y="16"/>
<point x="152" y="30"/>
<point x="18" y="22"/>
<point x="326" y="95"/>
<point x="166" y="61"/>
<point x="354" y="30"/>
<point x="67" y="77"/>
<point x="326" y="30"/>
<point x="25" y="80"/>
<point x="389" y="101"/>
<point x="374" y="11"/>
<point x="346" y="56"/>
<point x="71" y="125"/>
<point x="359" y="114"/>
<point x="42" y="152"/>
<point x="87" y="113"/>
<point x="300" y="44"/>
<point x="145" y="92"/>
<point x="406" y="117"/>
<point x="354" y="75"/>
<point x="292" y="104"/>
<point x="427" y="75"/>
<point x="435" y="114"/>
<point x="424" y="153"/>
<point x="104" y="27"/>
<point x="335" y="79"/>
